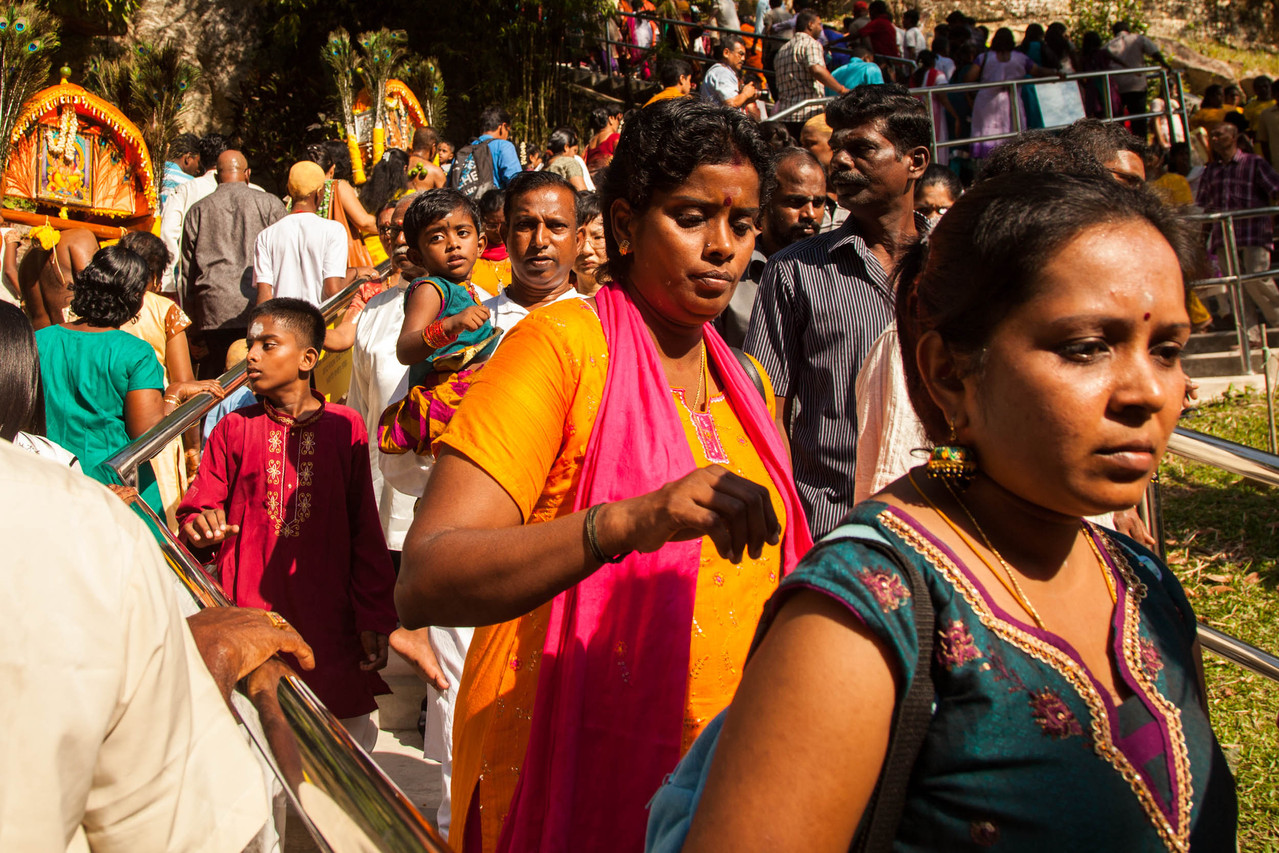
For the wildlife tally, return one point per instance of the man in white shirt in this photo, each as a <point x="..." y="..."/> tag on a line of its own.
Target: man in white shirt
<point x="1131" y="49"/>
<point x="722" y="82"/>
<point x="302" y="256"/>
<point x="116" y="736"/>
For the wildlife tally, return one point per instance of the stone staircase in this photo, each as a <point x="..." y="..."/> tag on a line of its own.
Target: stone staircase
<point x="1212" y="360"/>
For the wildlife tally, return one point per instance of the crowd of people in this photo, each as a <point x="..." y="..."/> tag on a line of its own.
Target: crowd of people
<point x="782" y="475"/>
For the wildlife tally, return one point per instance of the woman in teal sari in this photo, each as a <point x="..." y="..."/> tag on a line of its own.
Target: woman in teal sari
<point x="1042" y="326"/>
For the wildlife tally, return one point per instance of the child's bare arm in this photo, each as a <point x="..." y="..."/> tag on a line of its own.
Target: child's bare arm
<point x="423" y="307"/>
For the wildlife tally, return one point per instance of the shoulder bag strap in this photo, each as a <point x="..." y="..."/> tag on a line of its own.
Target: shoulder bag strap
<point x="910" y="723"/>
<point x="752" y="372"/>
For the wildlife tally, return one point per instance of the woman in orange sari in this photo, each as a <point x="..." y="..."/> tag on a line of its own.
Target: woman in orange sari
<point x="613" y="501"/>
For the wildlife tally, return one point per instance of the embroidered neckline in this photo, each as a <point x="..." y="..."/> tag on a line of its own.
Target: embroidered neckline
<point x="1067" y="664"/>
<point x="288" y="420"/>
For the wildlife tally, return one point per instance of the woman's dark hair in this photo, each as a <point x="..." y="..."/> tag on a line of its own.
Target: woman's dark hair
<point x="388" y="177"/>
<point x="1003" y="41"/>
<point x="108" y="292"/>
<point x="433" y="205"/>
<point x="1091" y="42"/>
<point x="151" y="249"/>
<point x="925" y="62"/>
<point x="21" y="391"/>
<point x="983" y="260"/>
<point x="561" y="139"/>
<point x="936" y="174"/>
<point x="1034" y="33"/>
<point x="588" y="207"/>
<point x="1056" y="41"/>
<point x="664" y="143"/>
<point x="601" y="115"/>
<point x="332" y="153"/>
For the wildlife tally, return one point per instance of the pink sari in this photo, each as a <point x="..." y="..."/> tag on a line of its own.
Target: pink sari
<point x="609" y="714"/>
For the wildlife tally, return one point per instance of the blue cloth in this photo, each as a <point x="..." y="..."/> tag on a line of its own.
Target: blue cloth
<point x="836" y="56"/>
<point x="506" y="160"/>
<point x="1019" y="721"/>
<point x="761" y="9"/>
<point x="173" y="178"/>
<point x="241" y="398"/>
<point x="854" y="73"/>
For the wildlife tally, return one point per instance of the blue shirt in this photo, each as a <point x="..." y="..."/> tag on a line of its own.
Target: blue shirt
<point x="173" y="178"/>
<point x="241" y="398"/>
<point x="855" y="72"/>
<point x="506" y="161"/>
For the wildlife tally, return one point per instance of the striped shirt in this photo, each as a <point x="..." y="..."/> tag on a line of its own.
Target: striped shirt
<point x="822" y="304"/>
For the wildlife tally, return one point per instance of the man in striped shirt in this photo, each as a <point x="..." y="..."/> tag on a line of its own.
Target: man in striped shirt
<point x="824" y="301"/>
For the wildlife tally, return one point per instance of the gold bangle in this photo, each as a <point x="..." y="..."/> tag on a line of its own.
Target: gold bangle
<point x="173" y="399"/>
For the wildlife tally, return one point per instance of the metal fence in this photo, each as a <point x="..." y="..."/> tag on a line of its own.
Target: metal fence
<point x="1238" y="459"/>
<point x="344" y="799"/>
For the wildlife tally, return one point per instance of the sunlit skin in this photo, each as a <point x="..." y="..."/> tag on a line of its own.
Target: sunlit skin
<point x="1069" y="411"/>
<point x="817" y="142"/>
<point x="707" y="229"/>
<point x="385" y="236"/>
<point x="400" y="255"/>
<point x="866" y="170"/>
<point x="591" y="257"/>
<point x="797" y="205"/>
<point x="1127" y="168"/>
<point x="543" y="240"/>
<point x="933" y="201"/>
<point x="275" y="361"/>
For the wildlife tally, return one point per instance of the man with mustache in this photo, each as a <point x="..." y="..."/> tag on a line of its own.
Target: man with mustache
<point x="543" y="239"/>
<point x="793" y="213"/>
<point x="824" y="301"/>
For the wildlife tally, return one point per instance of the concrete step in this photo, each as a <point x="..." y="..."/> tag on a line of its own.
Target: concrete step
<point x="1220" y="342"/>
<point x="1216" y="364"/>
<point x="1213" y="388"/>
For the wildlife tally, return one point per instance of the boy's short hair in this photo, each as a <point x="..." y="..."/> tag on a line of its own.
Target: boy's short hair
<point x="432" y="206"/>
<point x="300" y="317"/>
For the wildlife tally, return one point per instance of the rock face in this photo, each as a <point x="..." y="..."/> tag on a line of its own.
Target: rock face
<point x="217" y="36"/>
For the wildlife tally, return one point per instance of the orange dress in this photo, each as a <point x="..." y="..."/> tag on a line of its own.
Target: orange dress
<point x="529" y="431"/>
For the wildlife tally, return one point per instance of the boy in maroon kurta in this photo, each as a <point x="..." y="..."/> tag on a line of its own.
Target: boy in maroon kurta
<point x="284" y="486"/>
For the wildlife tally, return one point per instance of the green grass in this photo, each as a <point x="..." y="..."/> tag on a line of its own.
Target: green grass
<point x="1222" y="533"/>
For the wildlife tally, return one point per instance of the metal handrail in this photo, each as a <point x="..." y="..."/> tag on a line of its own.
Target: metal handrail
<point x="1247" y="462"/>
<point x="312" y="755"/>
<point x="125" y="462"/>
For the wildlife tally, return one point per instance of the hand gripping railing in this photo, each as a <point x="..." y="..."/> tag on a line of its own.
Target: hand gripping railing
<point x="1237" y="459"/>
<point x="148" y="445"/>
<point x="344" y="799"/>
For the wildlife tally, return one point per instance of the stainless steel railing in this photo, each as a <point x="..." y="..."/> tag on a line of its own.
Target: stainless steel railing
<point x="342" y="796"/>
<point x="1237" y="459"/>
<point x="146" y="446"/>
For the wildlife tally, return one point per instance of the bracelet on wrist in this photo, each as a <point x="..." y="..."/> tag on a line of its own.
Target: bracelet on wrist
<point x="172" y="398"/>
<point x="593" y="542"/>
<point x="435" y="337"/>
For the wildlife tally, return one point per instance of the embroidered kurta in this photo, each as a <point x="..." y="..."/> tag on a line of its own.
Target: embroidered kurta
<point x="526" y="421"/>
<point x="310" y="544"/>
<point x="1026" y="750"/>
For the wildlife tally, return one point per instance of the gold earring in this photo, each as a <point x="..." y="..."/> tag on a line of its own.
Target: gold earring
<point x="624" y="247"/>
<point x="952" y="462"/>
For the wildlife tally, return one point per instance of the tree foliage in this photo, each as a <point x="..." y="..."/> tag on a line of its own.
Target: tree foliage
<point x="28" y="38"/>
<point x="1099" y="15"/>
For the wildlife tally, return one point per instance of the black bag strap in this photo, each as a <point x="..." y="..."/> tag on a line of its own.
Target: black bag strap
<point x="910" y="723"/>
<point x="752" y="372"/>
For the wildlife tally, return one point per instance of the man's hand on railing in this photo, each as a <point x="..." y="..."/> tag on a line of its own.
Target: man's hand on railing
<point x="184" y="391"/>
<point x="234" y="641"/>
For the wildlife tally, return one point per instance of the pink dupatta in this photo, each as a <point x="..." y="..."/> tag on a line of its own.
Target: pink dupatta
<point x="609" y="714"/>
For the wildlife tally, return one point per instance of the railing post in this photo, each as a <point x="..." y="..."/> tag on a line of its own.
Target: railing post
<point x="1015" y="105"/>
<point x="1236" y="291"/>
<point x="1151" y="510"/>
<point x="1105" y="88"/>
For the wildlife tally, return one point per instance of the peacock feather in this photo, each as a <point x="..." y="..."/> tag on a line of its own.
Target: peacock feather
<point x="28" y="38"/>
<point x="384" y="53"/>
<point x="149" y="84"/>
<point x="422" y="75"/>
<point x="344" y="61"/>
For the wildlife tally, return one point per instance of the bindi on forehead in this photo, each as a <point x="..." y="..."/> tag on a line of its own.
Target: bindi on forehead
<point x="1146" y="316"/>
<point x="728" y="201"/>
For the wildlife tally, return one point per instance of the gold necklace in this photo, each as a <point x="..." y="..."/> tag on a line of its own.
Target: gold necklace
<point x="1014" y="588"/>
<point x="701" y="381"/>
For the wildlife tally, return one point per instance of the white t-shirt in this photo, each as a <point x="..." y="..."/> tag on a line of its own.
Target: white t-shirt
<point x="914" y="42"/>
<point x="505" y="312"/>
<point x="296" y="255"/>
<point x="377" y="378"/>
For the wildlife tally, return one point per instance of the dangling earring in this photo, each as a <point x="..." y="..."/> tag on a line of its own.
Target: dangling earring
<point x="952" y="462"/>
<point x="624" y="247"/>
